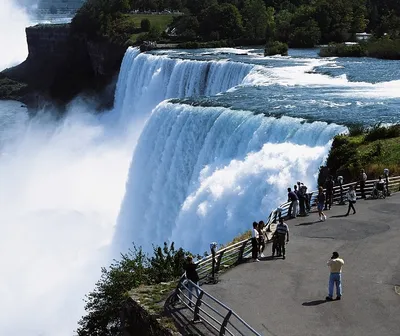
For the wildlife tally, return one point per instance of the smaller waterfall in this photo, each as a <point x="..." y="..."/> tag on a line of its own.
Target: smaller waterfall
<point x="146" y="80"/>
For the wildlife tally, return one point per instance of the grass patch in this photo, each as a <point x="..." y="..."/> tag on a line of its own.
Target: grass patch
<point x="374" y="150"/>
<point x="152" y="298"/>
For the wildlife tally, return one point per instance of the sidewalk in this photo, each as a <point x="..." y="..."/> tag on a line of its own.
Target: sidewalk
<point x="286" y="297"/>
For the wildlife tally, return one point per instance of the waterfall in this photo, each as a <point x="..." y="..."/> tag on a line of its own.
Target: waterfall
<point x="201" y="174"/>
<point x="146" y="80"/>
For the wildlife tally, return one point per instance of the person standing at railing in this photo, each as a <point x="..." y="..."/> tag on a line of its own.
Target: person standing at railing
<point x="283" y="237"/>
<point x="254" y="242"/>
<point x="320" y="204"/>
<point x="261" y="239"/>
<point x="292" y="197"/>
<point x="329" y="185"/>
<point x="192" y="275"/>
<point x="363" y="179"/>
<point x="352" y="198"/>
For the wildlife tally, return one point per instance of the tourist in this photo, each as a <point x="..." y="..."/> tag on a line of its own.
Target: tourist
<point x="275" y="245"/>
<point x="320" y="204"/>
<point x="192" y="275"/>
<point x="301" y="195"/>
<point x="254" y="241"/>
<point x="261" y="239"/>
<point x="335" y="278"/>
<point x="294" y="200"/>
<point x="363" y="179"/>
<point x="283" y="237"/>
<point x="329" y="184"/>
<point x="352" y="198"/>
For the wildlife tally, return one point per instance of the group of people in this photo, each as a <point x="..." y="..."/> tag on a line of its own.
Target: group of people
<point x="279" y="240"/>
<point x="300" y="200"/>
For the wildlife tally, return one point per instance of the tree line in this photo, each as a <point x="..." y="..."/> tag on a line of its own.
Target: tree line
<point x="299" y="23"/>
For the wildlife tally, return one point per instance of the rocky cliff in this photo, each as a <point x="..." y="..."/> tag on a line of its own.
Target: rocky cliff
<point x="61" y="65"/>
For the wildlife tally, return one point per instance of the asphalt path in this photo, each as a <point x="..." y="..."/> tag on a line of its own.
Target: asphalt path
<point x="287" y="297"/>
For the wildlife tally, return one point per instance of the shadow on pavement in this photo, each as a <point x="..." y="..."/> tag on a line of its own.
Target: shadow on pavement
<point x="339" y="216"/>
<point x="308" y="223"/>
<point x="314" y="303"/>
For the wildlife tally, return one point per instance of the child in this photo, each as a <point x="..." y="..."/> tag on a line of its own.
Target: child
<point x="275" y="245"/>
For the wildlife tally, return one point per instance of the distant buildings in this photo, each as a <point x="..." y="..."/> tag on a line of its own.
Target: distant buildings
<point x="363" y="36"/>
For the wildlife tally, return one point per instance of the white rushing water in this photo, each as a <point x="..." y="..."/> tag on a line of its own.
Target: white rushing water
<point x="203" y="173"/>
<point x="196" y="174"/>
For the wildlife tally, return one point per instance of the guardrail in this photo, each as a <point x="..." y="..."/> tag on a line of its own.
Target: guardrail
<point x="237" y="253"/>
<point x="394" y="186"/>
<point x="211" y="311"/>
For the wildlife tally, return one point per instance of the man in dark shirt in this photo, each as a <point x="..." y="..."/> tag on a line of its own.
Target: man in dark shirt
<point x="292" y="197"/>
<point x="192" y="275"/>
<point x="329" y="184"/>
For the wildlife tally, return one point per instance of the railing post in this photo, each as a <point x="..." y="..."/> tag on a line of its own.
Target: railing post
<point x="225" y="323"/>
<point x="197" y="306"/>
<point x="176" y="294"/>
<point x="241" y="251"/>
<point x="217" y="266"/>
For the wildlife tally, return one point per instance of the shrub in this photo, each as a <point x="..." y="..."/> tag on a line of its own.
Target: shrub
<point x="356" y="130"/>
<point x="384" y="48"/>
<point x="276" y="48"/>
<point x="343" y="50"/>
<point x="381" y="132"/>
<point x="145" y="25"/>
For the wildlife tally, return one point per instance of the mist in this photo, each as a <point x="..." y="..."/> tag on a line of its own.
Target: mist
<point x="13" y="20"/>
<point x="62" y="182"/>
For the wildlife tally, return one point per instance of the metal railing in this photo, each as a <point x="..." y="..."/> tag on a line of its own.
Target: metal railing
<point x="237" y="253"/>
<point x="394" y="186"/>
<point x="211" y="311"/>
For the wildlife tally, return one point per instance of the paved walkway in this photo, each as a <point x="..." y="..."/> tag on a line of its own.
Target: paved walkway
<point x="286" y="297"/>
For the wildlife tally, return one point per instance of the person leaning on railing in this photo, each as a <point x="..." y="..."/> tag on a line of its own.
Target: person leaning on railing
<point x="192" y="275"/>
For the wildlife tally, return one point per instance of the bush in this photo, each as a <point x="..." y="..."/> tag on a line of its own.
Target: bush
<point x="135" y="268"/>
<point x="384" y="48"/>
<point x="379" y="132"/>
<point x="356" y="130"/>
<point x="343" y="50"/>
<point x="276" y="48"/>
<point x="145" y="25"/>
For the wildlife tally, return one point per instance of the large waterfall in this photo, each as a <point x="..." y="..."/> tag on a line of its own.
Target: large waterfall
<point x="200" y="174"/>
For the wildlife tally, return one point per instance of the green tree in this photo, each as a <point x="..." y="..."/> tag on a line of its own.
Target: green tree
<point x="104" y="303"/>
<point x="255" y="19"/>
<point x="305" y="30"/>
<point x="283" y="21"/>
<point x="145" y="25"/>
<point x="223" y="19"/>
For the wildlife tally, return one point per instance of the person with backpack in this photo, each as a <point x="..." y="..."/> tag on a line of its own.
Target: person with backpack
<point x="192" y="275"/>
<point x="292" y="197"/>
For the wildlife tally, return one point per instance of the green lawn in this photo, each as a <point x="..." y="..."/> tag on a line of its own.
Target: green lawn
<point x="128" y="21"/>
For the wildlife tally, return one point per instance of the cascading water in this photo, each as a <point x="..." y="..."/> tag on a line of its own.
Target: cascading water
<point x="204" y="173"/>
<point x="145" y="80"/>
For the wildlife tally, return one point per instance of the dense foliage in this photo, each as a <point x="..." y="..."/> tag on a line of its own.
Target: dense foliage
<point x="135" y="268"/>
<point x="299" y="23"/>
<point x="384" y="48"/>
<point x="372" y="149"/>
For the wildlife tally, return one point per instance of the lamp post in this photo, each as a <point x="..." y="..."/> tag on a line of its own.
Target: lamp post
<point x="386" y="173"/>
<point x="340" y="181"/>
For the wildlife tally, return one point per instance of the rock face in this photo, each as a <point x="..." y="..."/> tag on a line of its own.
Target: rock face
<point x="60" y="65"/>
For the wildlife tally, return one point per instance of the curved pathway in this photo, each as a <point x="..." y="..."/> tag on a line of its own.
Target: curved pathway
<point x="286" y="297"/>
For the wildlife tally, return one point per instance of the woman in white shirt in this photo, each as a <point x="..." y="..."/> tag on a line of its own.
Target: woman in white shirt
<point x="352" y="198"/>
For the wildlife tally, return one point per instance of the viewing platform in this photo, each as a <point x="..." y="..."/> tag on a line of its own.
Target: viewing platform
<point x="287" y="297"/>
